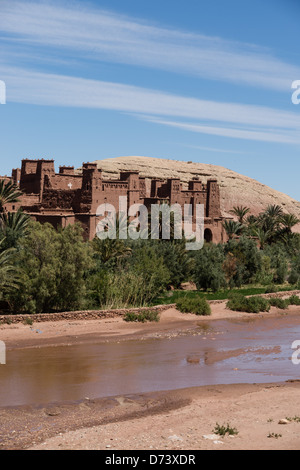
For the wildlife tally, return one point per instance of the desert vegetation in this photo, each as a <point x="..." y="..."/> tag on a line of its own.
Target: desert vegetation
<point x="46" y="270"/>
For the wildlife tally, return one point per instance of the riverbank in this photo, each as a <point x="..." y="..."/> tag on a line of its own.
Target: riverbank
<point x="185" y="418"/>
<point x="70" y="332"/>
<point x="172" y="420"/>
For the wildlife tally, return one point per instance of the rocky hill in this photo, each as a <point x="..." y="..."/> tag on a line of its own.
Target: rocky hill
<point x="236" y="189"/>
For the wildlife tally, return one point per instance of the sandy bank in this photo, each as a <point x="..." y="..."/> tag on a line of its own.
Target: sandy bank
<point x="67" y="332"/>
<point x="173" y="420"/>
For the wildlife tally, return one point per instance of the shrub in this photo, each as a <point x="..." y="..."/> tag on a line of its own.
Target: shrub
<point x="196" y="305"/>
<point x="294" y="300"/>
<point x="278" y="303"/>
<point x="222" y="430"/>
<point x="293" y="277"/>
<point x="253" y="304"/>
<point x="271" y="289"/>
<point x="151" y="315"/>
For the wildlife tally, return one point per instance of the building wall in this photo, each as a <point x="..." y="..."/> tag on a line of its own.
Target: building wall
<point x="65" y="198"/>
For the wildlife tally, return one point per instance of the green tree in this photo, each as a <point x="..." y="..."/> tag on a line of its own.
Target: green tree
<point x="75" y="256"/>
<point x="149" y="266"/>
<point x="9" y="274"/>
<point x="263" y="236"/>
<point x="9" y="193"/>
<point x="13" y="226"/>
<point x="248" y="259"/>
<point x="289" y="221"/>
<point x="279" y="262"/>
<point x="208" y="270"/>
<point x="232" y="228"/>
<point x="176" y="259"/>
<point x="240" y="212"/>
<point x="53" y="266"/>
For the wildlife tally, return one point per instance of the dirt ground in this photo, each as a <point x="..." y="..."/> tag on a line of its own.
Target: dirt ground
<point x="173" y="420"/>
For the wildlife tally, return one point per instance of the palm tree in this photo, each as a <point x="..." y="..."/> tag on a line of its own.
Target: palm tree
<point x="9" y="193"/>
<point x="8" y="272"/>
<point x="270" y="221"/>
<point x="232" y="228"/>
<point x="108" y="249"/>
<point x="240" y="212"/>
<point x="289" y="221"/>
<point x="263" y="236"/>
<point x="274" y="211"/>
<point x="251" y="224"/>
<point x="13" y="226"/>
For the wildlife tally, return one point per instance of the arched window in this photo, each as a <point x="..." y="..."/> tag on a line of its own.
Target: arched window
<point x="208" y="235"/>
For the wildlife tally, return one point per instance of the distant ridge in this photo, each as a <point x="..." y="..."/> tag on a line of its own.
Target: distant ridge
<point x="236" y="189"/>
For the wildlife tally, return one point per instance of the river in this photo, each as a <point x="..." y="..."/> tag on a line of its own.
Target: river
<point x="222" y="352"/>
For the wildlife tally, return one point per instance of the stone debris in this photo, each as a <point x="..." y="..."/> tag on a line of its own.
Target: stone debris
<point x="175" y="438"/>
<point x="211" y="437"/>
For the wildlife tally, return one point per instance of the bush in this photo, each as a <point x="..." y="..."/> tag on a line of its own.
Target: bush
<point x="196" y="305"/>
<point x="271" y="289"/>
<point x="278" y="303"/>
<point x="293" y="277"/>
<point x="294" y="300"/>
<point x="253" y="304"/>
<point x="223" y="429"/>
<point x="151" y="315"/>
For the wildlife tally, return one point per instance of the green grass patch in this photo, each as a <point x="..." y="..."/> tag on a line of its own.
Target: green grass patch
<point x="171" y="297"/>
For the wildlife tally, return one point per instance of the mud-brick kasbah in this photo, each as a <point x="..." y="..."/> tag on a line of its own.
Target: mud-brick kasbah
<point x="72" y="196"/>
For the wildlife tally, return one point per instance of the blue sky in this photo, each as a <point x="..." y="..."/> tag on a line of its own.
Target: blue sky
<point x="185" y="80"/>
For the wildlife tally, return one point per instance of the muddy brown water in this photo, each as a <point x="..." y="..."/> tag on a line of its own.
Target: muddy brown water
<point x="223" y="352"/>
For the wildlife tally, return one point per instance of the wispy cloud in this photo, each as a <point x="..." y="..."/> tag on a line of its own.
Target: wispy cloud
<point x="270" y="135"/>
<point x="213" y="149"/>
<point x="210" y="117"/>
<point x="82" y="30"/>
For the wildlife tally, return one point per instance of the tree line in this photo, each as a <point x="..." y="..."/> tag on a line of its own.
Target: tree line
<point x="47" y="270"/>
